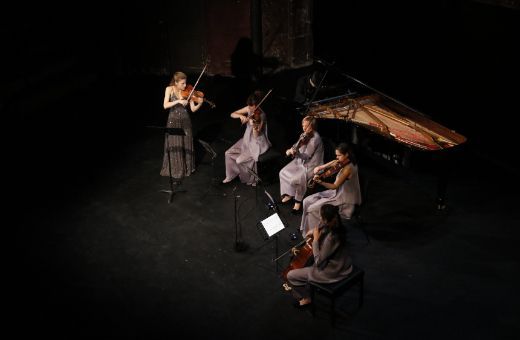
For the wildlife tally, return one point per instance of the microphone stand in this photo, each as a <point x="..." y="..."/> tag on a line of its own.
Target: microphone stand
<point x="240" y="245"/>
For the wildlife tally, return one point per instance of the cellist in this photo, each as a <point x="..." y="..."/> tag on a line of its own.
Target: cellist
<point x="344" y="193"/>
<point x="332" y="261"/>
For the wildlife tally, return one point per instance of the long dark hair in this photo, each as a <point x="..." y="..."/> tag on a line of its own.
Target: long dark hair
<point x="346" y="149"/>
<point x="255" y="98"/>
<point x="330" y="214"/>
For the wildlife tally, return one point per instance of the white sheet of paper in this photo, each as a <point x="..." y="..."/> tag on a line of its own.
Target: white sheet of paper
<point x="272" y="224"/>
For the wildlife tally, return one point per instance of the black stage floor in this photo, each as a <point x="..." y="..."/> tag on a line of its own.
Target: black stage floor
<point x="99" y="252"/>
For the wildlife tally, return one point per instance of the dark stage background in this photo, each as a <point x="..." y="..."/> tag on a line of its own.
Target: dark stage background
<point x="455" y="61"/>
<point x="81" y="81"/>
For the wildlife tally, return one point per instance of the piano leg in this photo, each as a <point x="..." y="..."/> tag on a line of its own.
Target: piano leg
<point x="442" y="184"/>
<point x="442" y="168"/>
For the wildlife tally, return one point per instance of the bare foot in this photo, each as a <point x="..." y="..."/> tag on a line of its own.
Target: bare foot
<point x="297" y="206"/>
<point x="305" y="301"/>
<point x="286" y="198"/>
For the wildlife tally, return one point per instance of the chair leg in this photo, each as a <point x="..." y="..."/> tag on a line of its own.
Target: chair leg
<point x="362" y="227"/>
<point x="313" y="303"/>
<point x="357" y="280"/>
<point x="332" y="311"/>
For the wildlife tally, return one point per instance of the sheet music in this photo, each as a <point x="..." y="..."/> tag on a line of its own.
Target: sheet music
<point x="273" y="224"/>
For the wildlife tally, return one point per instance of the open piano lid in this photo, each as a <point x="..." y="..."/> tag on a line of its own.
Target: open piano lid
<point x="387" y="117"/>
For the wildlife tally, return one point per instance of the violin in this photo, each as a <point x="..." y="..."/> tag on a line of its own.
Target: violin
<point x="196" y="96"/>
<point x="304" y="139"/>
<point x="328" y="171"/>
<point x="256" y="118"/>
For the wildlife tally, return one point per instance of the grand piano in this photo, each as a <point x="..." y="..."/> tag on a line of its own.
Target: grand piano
<point x="387" y="128"/>
<point x="389" y="119"/>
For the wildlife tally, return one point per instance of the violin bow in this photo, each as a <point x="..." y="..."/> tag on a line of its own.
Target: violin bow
<point x="258" y="106"/>
<point x="194" y="86"/>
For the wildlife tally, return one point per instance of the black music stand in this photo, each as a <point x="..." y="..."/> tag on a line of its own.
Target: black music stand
<point x="271" y="226"/>
<point x="214" y="180"/>
<point x="271" y="204"/>
<point x="173" y="132"/>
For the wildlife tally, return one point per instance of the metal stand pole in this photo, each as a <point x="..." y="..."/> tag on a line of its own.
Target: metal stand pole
<point x="240" y="245"/>
<point x="276" y="268"/>
<point x="171" y="192"/>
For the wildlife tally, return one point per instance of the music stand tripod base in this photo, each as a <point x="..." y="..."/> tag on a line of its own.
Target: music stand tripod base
<point x="174" y="132"/>
<point x="171" y="192"/>
<point x="241" y="246"/>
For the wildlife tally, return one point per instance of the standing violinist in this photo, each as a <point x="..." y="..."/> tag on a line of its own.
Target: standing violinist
<point x="332" y="261"/>
<point x="307" y="153"/>
<point x="181" y="147"/>
<point x="344" y="193"/>
<point x="244" y="153"/>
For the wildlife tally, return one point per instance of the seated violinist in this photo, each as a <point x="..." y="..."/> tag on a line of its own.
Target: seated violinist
<point x="332" y="262"/>
<point x="307" y="153"/>
<point x="344" y="193"/>
<point x="244" y="153"/>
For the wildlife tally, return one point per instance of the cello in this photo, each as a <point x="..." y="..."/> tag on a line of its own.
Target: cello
<point x="303" y="252"/>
